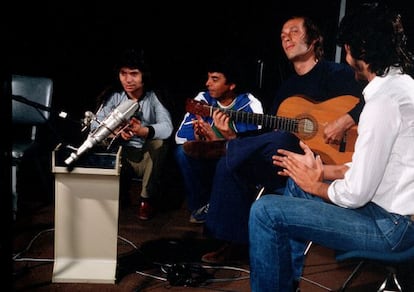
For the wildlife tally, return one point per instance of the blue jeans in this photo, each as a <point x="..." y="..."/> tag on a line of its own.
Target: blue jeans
<point x="281" y="226"/>
<point x="197" y="177"/>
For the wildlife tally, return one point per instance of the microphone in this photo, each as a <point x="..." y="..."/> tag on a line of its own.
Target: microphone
<point x="119" y="115"/>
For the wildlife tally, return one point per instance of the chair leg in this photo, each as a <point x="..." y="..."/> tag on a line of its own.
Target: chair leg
<point x="260" y="193"/>
<point x="14" y="191"/>
<point x="316" y="284"/>
<point x="352" y="276"/>
<point x="307" y="248"/>
<point x="347" y="282"/>
<point x="390" y="282"/>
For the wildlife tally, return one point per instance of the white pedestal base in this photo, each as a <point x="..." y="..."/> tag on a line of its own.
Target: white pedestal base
<point x="84" y="271"/>
<point x="86" y="225"/>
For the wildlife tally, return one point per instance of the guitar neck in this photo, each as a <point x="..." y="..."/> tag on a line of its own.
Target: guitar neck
<point x="266" y="121"/>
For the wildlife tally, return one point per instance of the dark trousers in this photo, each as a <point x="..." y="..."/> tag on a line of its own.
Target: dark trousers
<point x="246" y="168"/>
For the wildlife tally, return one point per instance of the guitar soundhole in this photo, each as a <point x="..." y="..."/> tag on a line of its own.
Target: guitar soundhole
<point x="307" y="127"/>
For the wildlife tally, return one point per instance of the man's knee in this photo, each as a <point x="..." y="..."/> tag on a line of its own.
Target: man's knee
<point x="156" y="144"/>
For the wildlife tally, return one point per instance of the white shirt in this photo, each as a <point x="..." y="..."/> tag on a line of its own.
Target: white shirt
<point x="382" y="168"/>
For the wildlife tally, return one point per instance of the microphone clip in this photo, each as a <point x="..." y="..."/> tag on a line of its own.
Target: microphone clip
<point x="87" y="120"/>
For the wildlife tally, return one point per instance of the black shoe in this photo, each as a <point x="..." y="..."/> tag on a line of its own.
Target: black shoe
<point x="205" y="149"/>
<point x="295" y="286"/>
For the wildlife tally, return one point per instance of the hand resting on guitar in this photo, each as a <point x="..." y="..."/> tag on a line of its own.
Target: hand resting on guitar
<point x="334" y="131"/>
<point x="204" y="131"/>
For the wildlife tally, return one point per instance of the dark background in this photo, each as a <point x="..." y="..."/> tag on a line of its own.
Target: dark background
<point x="76" y="43"/>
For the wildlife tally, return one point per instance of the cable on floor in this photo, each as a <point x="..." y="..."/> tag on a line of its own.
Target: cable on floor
<point x="17" y="257"/>
<point x="194" y="275"/>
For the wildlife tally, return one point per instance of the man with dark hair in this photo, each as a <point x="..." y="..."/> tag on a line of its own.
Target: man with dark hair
<point x="366" y="204"/>
<point x="224" y="83"/>
<point x="144" y="141"/>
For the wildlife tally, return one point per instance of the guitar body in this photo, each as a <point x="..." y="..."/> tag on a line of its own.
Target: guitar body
<point x="302" y="117"/>
<point x="313" y="116"/>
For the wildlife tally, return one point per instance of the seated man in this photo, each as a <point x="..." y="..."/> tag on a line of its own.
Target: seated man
<point x="144" y="141"/>
<point x="224" y="93"/>
<point x="369" y="203"/>
<point x="247" y="164"/>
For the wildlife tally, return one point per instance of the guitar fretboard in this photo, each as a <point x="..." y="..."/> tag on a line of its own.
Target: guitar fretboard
<point x="267" y="121"/>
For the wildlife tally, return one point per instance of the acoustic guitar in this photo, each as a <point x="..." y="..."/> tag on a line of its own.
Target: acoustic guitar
<point x="302" y="117"/>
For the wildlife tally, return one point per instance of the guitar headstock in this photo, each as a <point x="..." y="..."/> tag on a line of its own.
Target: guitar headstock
<point x="197" y="107"/>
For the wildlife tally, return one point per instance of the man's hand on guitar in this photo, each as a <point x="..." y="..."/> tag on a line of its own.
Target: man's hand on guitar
<point x="334" y="131"/>
<point x="222" y="123"/>
<point x="203" y="130"/>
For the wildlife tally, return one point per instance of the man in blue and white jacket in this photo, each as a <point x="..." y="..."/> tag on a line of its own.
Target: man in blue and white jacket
<point x="223" y="97"/>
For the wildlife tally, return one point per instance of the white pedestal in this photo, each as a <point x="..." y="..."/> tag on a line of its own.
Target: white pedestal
<point x="86" y="224"/>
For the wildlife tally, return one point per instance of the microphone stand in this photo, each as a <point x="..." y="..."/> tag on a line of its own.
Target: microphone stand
<point x="34" y="104"/>
<point x="42" y="109"/>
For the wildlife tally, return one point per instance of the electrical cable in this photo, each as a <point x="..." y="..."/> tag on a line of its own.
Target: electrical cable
<point x="184" y="274"/>
<point x="227" y="268"/>
<point x="17" y="257"/>
<point x="194" y="275"/>
<point x="151" y="276"/>
<point x="128" y="241"/>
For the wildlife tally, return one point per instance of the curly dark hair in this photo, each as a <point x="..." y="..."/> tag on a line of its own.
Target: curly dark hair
<point x="129" y="58"/>
<point x="232" y="66"/>
<point x="134" y="59"/>
<point x="375" y="35"/>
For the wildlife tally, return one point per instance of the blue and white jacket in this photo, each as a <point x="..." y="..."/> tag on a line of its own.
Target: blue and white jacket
<point x="243" y="102"/>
